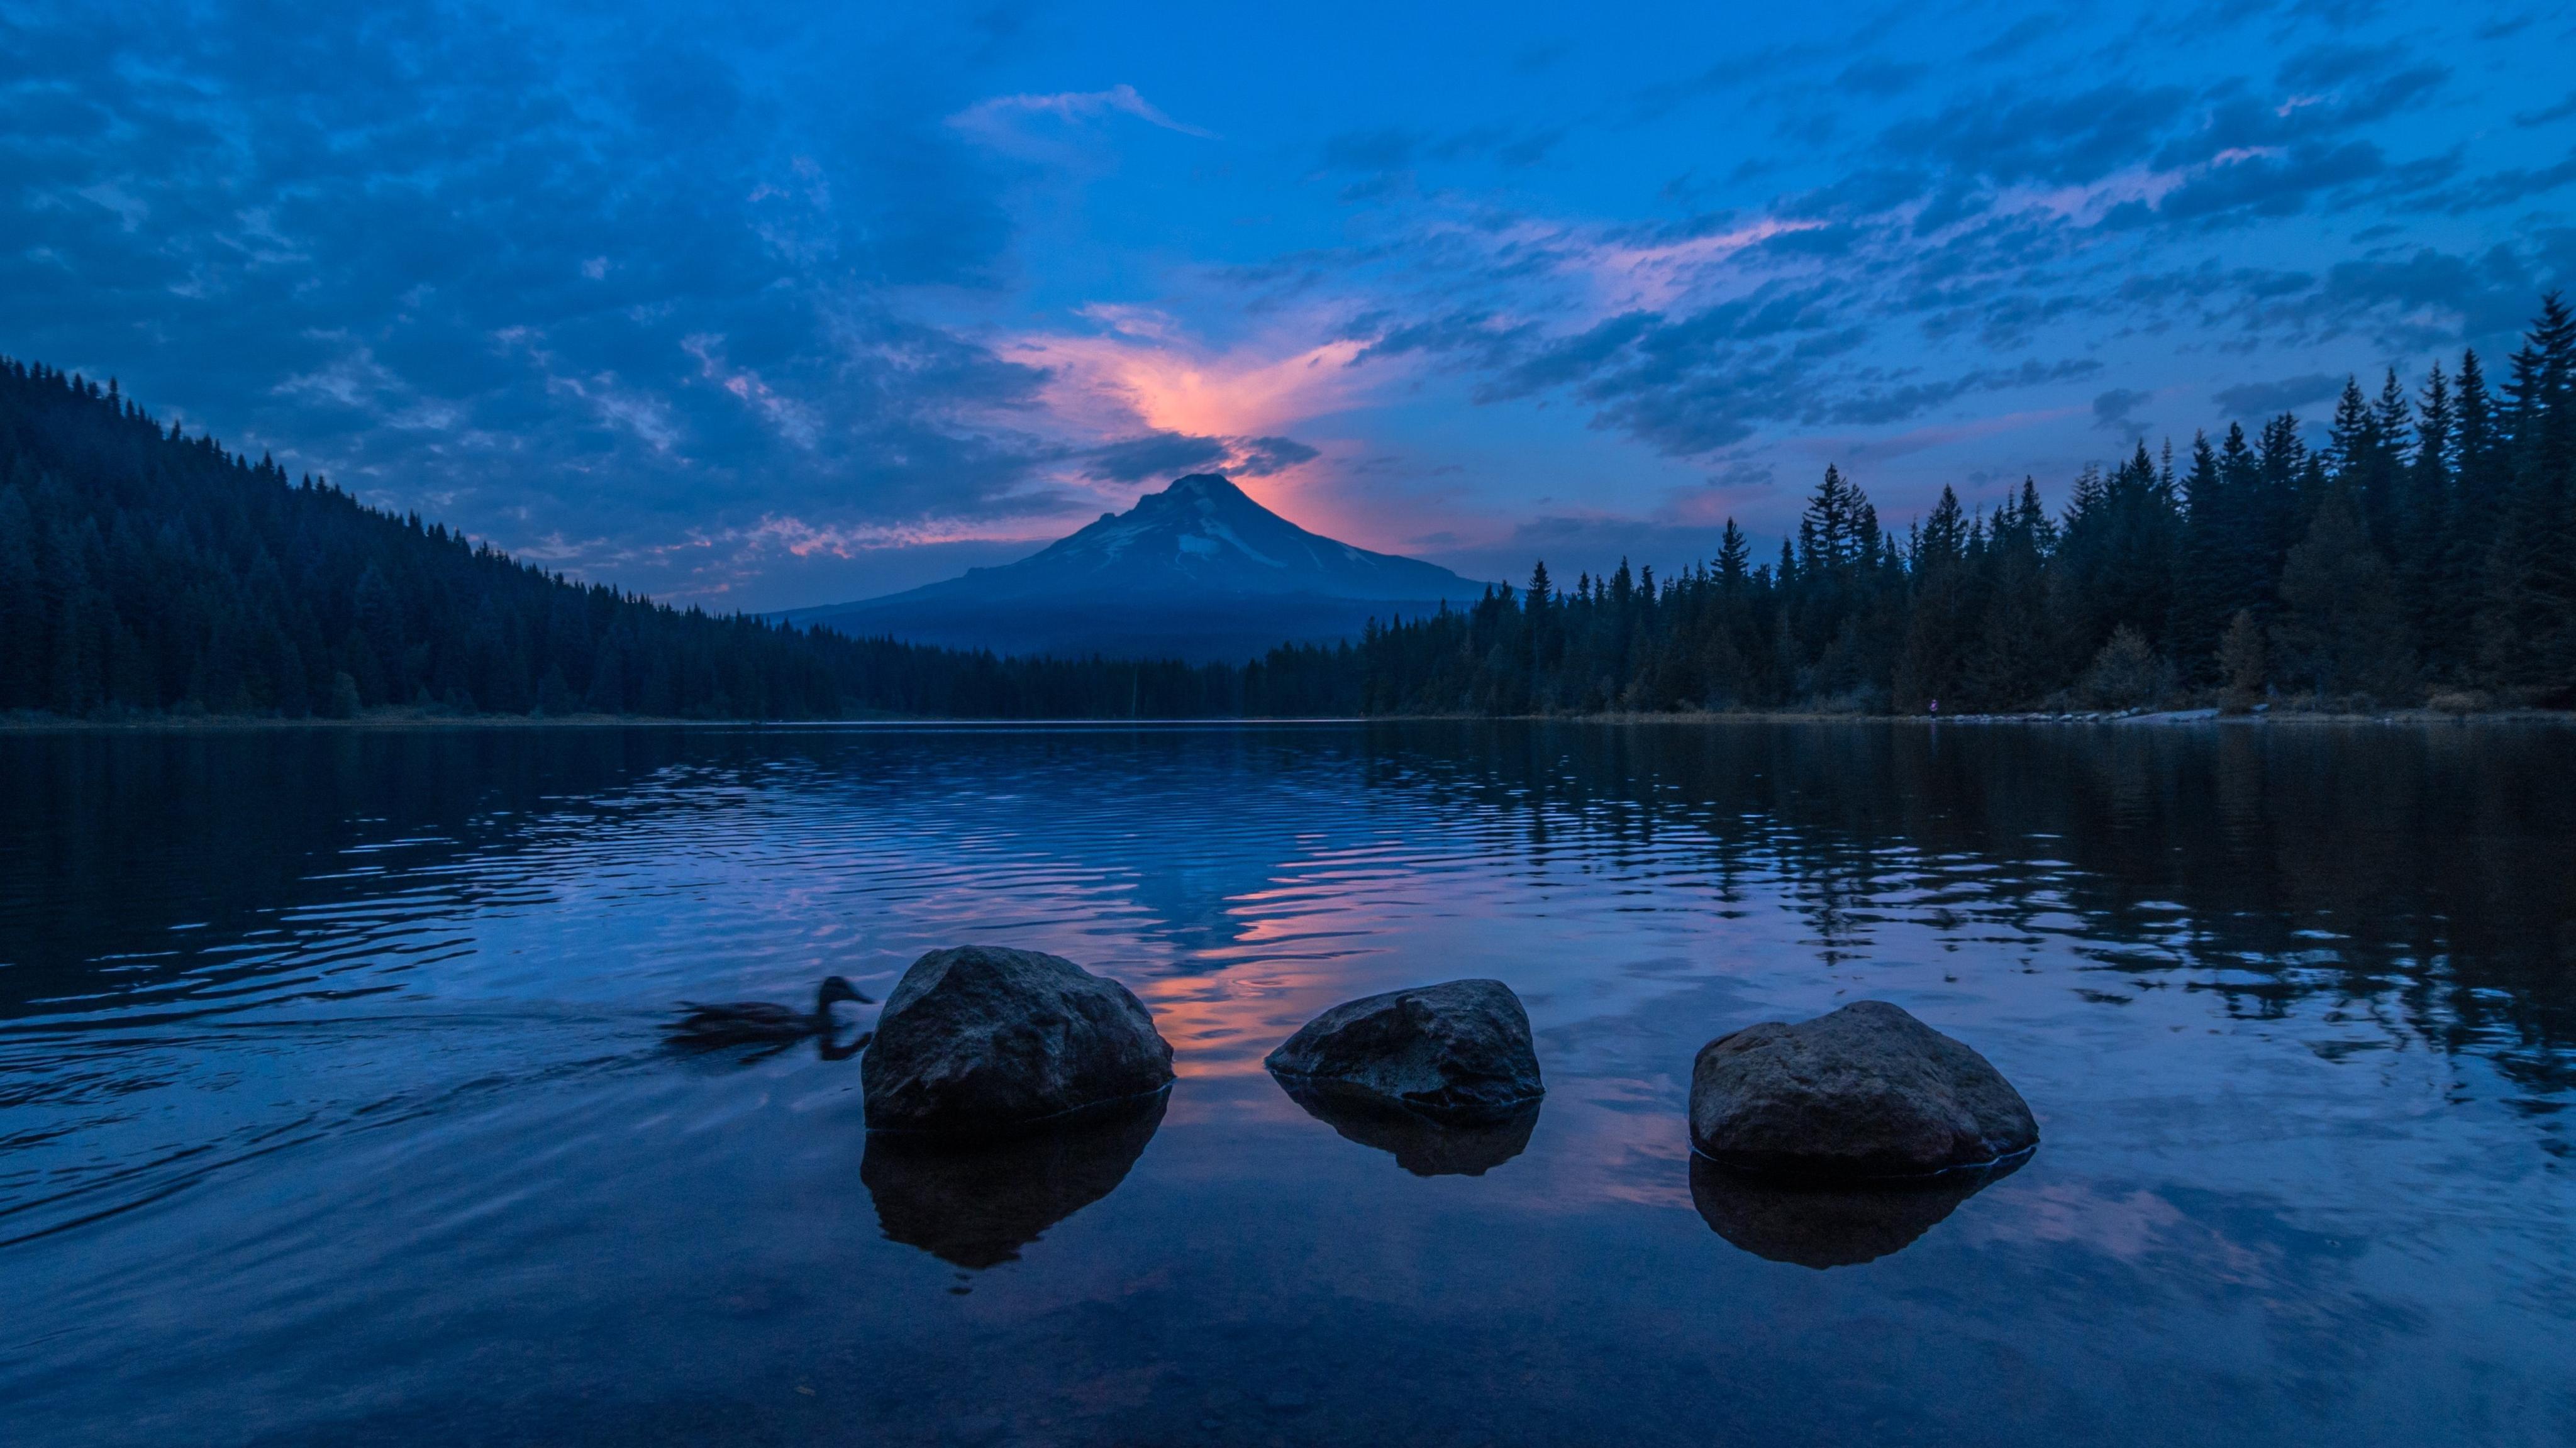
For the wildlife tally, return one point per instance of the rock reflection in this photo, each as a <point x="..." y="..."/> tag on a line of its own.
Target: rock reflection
<point x="1831" y="1226"/>
<point x="978" y="1205"/>
<point x="1421" y="1145"/>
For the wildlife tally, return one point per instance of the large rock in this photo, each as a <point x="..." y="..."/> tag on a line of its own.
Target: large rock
<point x="1866" y="1092"/>
<point x="1457" y="1051"/>
<point x="978" y="1203"/>
<point x="980" y="1041"/>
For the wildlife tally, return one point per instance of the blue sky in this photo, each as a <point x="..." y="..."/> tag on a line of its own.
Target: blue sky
<point x="780" y="305"/>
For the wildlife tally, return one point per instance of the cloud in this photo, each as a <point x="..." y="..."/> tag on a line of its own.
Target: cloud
<point x="2013" y="136"/>
<point x="1387" y="155"/>
<point x="1881" y="78"/>
<point x="989" y="118"/>
<point x="1155" y="455"/>
<point x="2252" y="400"/>
<point x="1384" y="149"/>
<point x="2546" y="114"/>
<point x="2022" y="34"/>
<point x="2490" y="293"/>
<point x="2253" y="185"/>
<point x="562" y="301"/>
<point x="1260" y="457"/>
<point x="2504" y="188"/>
<point x="2113" y="411"/>
<point x="1172" y="454"/>
<point x="1110" y="381"/>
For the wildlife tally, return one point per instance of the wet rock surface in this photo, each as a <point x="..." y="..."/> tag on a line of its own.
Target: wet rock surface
<point x="1459" y="1051"/>
<point x="981" y="1042"/>
<point x="1867" y="1092"/>
<point x="1421" y="1145"/>
<point x="1820" y="1226"/>
<point x="977" y="1204"/>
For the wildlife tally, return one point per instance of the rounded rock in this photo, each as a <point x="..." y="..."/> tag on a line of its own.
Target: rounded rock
<point x="1867" y="1092"/>
<point x="981" y="1041"/>
<point x="1459" y="1050"/>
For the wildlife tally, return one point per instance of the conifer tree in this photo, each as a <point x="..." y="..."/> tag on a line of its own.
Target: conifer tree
<point x="2341" y="631"/>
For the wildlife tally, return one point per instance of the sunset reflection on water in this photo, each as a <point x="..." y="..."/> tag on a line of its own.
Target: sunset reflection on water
<point x="303" y="1023"/>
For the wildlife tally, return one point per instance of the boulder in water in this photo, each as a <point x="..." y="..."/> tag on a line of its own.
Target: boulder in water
<point x="981" y="1041"/>
<point x="1457" y="1051"/>
<point x="1867" y="1092"/>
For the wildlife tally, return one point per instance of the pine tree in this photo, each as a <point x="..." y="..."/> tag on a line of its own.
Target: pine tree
<point x="1937" y="634"/>
<point x="2425" y="525"/>
<point x="2342" y="632"/>
<point x="2206" y="590"/>
<point x="2244" y="665"/>
<point x="2383" y="494"/>
<point x="2528" y="627"/>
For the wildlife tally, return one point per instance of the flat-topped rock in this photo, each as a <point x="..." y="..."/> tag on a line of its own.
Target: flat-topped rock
<point x="981" y="1041"/>
<point x="1865" y="1092"/>
<point x="1455" y="1051"/>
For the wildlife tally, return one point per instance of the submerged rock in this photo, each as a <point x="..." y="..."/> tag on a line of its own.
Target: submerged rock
<point x="1457" y="1051"/>
<point x="1866" y="1092"/>
<point x="1822" y="1226"/>
<point x="980" y="1041"/>
<point x="978" y="1203"/>
<point x="1421" y="1145"/>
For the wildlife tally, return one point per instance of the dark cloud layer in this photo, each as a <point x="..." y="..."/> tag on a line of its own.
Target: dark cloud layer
<point x="604" y="294"/>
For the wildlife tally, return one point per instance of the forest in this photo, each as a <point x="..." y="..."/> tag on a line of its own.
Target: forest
<point x="2424" y="552"/>
<point x="146" y="572"/>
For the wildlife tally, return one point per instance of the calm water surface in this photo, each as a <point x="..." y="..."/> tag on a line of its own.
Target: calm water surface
<point x="332" y="1108"/>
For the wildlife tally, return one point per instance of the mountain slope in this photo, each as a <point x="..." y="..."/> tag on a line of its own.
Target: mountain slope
<point x="1197" y="571"/>
<point x="143" y="572"/>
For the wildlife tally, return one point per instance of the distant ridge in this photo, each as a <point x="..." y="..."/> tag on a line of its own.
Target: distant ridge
<point x="1198" y="571"/>
<point x="146" y="574"/>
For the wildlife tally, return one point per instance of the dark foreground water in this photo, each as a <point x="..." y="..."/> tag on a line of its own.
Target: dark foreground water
<point x="332" y="1109"/>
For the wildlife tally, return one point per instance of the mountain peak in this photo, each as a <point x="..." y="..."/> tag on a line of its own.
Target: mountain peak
<point x="1199" y="553"/>
<point x="1203" y="485"/>
<point x="1208" y="491"/>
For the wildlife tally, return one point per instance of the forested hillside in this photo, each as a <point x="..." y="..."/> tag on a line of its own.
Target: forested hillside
<point x="2429" y="548"/>
<point x="141" y="570"/>
<point x="2426" y="551"/>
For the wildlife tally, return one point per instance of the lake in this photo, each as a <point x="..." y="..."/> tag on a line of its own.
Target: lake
<point x="336" y="1110"/>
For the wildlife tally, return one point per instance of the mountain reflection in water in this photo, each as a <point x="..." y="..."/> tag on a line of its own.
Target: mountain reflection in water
<point x="335" y="1109"/>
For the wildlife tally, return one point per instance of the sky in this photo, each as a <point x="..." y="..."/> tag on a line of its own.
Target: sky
<point x="763" y="307"/>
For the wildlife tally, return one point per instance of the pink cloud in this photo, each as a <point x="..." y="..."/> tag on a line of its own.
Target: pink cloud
<point x="1141" y="373"/>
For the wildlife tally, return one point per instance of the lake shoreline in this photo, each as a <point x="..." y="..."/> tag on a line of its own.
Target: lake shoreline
<point x="404" y="720"/>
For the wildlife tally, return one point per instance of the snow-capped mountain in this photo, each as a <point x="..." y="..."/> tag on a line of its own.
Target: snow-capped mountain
<point x="1197" y="571"/>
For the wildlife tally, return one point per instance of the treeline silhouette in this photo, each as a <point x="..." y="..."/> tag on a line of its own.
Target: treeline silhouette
<point x="2427" y="549"/>
<point x="143" y="571"/>
<point x="2426" y="552"/>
